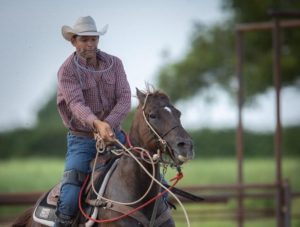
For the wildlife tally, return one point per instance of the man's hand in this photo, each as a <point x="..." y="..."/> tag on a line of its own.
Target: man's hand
<point x="105" y="131"/>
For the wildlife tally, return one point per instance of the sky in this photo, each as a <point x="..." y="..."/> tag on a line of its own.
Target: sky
<point x="32" y="49"/>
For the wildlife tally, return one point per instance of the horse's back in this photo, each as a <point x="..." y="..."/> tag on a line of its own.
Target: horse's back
<point x="25" y="219"/>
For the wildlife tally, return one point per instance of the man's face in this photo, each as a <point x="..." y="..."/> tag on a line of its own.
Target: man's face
<point x="86" y="46"/>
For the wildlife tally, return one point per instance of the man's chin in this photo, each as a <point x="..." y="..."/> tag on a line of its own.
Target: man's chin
<point x="88" y="55"/>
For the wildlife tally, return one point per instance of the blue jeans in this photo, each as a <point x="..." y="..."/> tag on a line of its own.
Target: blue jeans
<point x="80" y="152"/>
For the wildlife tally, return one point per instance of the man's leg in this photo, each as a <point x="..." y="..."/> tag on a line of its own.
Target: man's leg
<point x="80" y="152"/>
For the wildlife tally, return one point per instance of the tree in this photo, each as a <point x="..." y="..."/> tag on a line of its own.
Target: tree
<point x="211" y="57"/>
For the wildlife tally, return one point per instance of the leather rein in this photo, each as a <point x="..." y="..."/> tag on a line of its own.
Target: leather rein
<point x="164" y="144"/>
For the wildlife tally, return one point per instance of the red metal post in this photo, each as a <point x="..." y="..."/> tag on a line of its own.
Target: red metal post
<point x="239" y="133"/>
<point x="287" y="203"/>
<point x="278" y="133"/>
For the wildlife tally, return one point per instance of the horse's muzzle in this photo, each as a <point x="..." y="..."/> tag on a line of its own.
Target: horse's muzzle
<point x="183" y="149"/>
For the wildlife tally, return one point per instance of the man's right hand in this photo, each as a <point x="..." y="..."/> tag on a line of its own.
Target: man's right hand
<point x="105" y="131"/>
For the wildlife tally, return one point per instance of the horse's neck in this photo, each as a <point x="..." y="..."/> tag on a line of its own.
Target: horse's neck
<point x="136" y="177"/>
<point x="129" y="181"/>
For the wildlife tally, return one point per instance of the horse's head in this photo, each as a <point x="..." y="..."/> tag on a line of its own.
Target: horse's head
<point x="159" y="122"/>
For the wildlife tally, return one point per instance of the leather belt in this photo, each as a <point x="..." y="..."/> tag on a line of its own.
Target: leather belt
<point x="82" y="134"/>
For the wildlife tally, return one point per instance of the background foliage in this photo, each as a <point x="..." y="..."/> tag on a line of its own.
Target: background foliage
<point x="209" y="61"/>
<point x="48" y="138"/>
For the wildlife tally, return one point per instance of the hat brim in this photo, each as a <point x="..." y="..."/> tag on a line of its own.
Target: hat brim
<point x="68" y="32"/>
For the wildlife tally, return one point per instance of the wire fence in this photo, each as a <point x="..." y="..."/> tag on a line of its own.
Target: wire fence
<point x="220" y="195"/>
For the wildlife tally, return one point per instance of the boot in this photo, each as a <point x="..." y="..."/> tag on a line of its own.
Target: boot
<point x="63" y="220"/>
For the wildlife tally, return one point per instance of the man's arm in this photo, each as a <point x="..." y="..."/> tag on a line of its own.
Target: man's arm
<point x="71" y="90"/>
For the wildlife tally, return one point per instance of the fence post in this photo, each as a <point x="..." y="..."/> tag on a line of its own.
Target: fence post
<point x="287" y="203"/>
<point x="239" y="130"/>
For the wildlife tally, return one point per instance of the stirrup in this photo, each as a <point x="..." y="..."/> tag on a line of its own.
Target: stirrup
<point x="63" y="220"/>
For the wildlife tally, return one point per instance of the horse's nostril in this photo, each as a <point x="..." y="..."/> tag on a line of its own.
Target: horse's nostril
<point x="181" y="144"/>
<point x="184" y="143"/>
<point x="184" y="149"/>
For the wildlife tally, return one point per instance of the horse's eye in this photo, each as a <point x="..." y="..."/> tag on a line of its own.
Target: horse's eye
<point x="152" y="115"/>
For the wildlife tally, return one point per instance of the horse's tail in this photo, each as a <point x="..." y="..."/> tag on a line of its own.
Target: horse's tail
<point x="24" y="219"/>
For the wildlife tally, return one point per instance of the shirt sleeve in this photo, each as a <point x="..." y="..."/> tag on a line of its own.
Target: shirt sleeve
<point x="69" y="85"/>
<point x="123" y="97"/>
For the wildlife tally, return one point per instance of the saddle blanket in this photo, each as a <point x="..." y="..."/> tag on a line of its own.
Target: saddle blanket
<point x="45" y="208"/>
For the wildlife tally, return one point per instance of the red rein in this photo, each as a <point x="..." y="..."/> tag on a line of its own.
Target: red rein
<point x="178" y="177"/>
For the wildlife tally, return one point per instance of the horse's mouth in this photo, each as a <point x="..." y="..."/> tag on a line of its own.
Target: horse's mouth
<point x="182" y="159"/>
<point x="178" y="158"/>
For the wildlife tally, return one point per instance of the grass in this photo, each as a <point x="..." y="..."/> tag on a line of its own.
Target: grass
<point x="40" y="174"/>
<point x="25" y="175"/>
<point x="224" y="171"/>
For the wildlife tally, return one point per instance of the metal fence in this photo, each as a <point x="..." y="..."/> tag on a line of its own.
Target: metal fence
<point x="278" y="23"/>
<point x="279" y="191"/>
<point x="212" y="194"/>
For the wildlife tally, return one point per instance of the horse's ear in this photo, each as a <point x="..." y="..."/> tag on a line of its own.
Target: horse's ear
<point x="141" y="96"/>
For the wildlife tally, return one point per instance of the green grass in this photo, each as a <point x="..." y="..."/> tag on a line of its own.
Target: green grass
<point x="224" y="171"/>
<point x="25" y="175"/>
<point x="41" y="174"/>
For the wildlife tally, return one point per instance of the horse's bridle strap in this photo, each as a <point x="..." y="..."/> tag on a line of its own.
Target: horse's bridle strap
<point x="166" y="133"/>
<point x="152" y="129"/>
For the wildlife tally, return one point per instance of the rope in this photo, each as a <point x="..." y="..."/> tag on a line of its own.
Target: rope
<point x="180" y="175"/>
<point x="76" y="61"/>
<point x="163" y="142"/>
<point x="177" y="178"/>
<point x="125" y="203"/>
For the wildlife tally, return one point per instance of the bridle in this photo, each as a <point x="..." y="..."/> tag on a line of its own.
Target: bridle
<point x="153" y="179"/>
<point x="164" y="144"/>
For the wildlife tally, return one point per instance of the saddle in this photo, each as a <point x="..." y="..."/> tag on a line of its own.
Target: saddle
<point x="44" y="212"/>
<point x="45" y="207"/>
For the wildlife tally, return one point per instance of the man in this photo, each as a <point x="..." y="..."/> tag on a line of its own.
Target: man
<point x="93" y="96"/>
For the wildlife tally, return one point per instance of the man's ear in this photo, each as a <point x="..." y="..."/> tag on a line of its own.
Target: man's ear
<point x="73" y="40"/>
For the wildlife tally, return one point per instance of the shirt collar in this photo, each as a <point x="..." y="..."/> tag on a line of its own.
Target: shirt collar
<point x="105" y="59"/>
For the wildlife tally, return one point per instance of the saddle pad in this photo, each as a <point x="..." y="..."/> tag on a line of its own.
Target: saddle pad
<point x="53" y="195"/>
<point x="44" y="213"/>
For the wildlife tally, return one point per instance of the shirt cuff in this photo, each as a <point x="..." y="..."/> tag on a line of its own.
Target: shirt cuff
<point x="90" y="120"/>
<point x="110" y="122"/>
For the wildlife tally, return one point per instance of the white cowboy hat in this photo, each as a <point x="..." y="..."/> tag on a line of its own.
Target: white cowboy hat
<point x="84" y="26"/>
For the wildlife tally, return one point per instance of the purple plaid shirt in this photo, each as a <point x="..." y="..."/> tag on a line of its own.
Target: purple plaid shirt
<point x="84" y="95"/>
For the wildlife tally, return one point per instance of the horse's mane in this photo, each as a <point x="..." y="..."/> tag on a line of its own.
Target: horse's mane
<point x="151" y="90"/>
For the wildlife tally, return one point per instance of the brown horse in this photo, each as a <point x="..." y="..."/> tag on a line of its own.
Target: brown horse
<point x="156" y="127"/>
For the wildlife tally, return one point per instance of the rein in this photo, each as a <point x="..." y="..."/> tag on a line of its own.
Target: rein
<point x="101" y="147"/>
<point x="176" y="179"/>
<point x="160" y="138"/>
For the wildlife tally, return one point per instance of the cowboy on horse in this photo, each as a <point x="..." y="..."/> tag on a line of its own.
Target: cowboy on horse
<point x="126" y="187"/>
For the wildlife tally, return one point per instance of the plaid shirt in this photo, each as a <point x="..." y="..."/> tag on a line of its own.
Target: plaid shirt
<point x="84" y="95"/>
